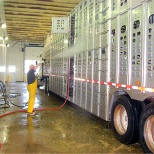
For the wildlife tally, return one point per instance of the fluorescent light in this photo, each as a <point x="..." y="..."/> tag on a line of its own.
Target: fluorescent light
<point x="3" y="26"/>
<point x="6" y="38"/>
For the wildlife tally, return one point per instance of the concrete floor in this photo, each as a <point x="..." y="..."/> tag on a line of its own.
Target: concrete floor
<point x="64" y="131"/>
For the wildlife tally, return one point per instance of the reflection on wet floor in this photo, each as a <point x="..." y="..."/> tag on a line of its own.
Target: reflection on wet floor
<point x="64" y="131"/>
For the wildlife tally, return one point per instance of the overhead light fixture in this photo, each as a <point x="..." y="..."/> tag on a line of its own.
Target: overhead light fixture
<point x="3" y="26"/>
<point x="7" y="45"/>
<point x="5" y="38"/>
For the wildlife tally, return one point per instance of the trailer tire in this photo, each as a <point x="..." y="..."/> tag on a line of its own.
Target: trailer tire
<point x="146" y="129"/>
<point x="125" y="120"/>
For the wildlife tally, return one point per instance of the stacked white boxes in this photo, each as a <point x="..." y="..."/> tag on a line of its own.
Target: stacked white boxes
<point x="149" y="47"/>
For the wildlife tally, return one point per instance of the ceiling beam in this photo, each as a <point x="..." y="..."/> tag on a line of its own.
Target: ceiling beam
<point x="45" y="3"/>
<point x="31" y="20"/>
<point x="59" y="10"/>
<point x="21" y="16"/>
<point x="40" y="7"/>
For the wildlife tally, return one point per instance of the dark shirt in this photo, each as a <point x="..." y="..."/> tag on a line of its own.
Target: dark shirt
<point x="30" y="76"/>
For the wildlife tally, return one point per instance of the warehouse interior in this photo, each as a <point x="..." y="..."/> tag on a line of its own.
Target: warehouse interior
<point x="94" y="92"/>
<point x="27" y="25"/>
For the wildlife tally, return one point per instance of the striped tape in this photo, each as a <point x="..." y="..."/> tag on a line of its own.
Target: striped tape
<point x="117" y="85"/>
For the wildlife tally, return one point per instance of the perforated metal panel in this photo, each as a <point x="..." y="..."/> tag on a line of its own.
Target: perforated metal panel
<point x="84" y="65"/>
<point x="114" y="8"/>
<point x="96" y="65"/>
<point x="89" y="65"/>
<point x="91" y="25"/>
<point x="150" y="46"/>
<point x="137" y="48"/>
<point x="85" y="26"/>
<point x="105" y="10"/>
<point x="123" y="47"/>
<point x="123" y="5"/>
<point x="60" y="24"/>
<point x="104" y="64"/>
<point x="97" y="25"/>
<point x="79" y="65"/>
<point x="114" y="49"/>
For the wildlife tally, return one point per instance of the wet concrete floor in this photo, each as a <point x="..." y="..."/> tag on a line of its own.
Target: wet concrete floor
<point x="64" y="131"/>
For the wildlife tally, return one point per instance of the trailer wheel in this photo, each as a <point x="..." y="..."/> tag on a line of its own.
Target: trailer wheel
<point x="124" y="120"/>
<point x="146" y="129"/>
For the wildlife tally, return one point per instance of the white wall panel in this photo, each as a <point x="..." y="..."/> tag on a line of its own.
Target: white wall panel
<point x="15" y="57"/>
<point x="2" y="43"/>
<point x="3" y="62"/>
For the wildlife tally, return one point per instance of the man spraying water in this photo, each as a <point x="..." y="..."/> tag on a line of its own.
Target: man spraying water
<point x="32" y="87"/>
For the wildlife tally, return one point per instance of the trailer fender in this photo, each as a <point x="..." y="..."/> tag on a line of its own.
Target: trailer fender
<point x="114" y="98"/>
<point x="148" y="101"/>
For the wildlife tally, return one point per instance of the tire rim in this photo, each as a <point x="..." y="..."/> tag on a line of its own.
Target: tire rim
<point x="149" y="132"/>
<point x="120" y="119"/>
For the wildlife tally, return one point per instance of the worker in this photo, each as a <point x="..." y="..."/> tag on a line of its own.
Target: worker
<point x="32" y="87"/>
